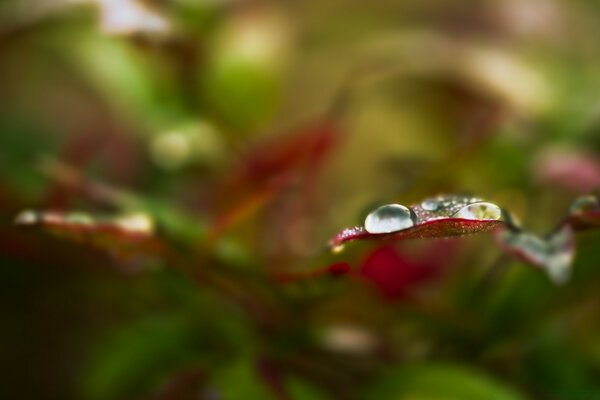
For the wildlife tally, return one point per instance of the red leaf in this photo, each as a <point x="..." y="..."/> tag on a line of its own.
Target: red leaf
<point x="437" y="217"/>
<point x="271" y="167"/>
<point x="395" y="274"/>
<point x="128" y="239"/>
<point x="439" y="228"/>
<point x="336" y="269"/>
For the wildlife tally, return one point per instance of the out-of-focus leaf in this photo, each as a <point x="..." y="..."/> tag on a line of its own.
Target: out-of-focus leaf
<point x="138" y="85"/>
<point x="576" y="172"/>
<point x="270" y="167"/>
<point x="439" y="382"/>
<point x="128" y="238"/>
<point x="559" y="369"/>
<point x="23" y="142"/>
<point x="240" y="380"/>
<point x="554" y="255"/>
<point x="335" y="269"/>
<point x="584" y="213"/>
<point x="302" y="390"/>
<point x="133" y="361"/>
<point x="395" y="274"/>
<point x="242" y="79"/>
<point x="172" y="223"/>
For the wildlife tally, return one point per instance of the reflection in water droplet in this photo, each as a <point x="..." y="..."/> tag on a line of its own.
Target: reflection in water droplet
<point x="389" y="218"/>
<point x="481" y="211"/>
<point x="430" y="204"/>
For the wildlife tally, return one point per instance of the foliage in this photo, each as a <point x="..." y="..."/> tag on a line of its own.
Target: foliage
<point x="173" y="175"/>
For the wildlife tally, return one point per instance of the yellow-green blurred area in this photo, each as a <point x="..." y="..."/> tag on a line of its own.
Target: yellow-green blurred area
<point x="234" y="138"/>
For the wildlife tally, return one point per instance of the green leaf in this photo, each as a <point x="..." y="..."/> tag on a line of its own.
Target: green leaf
<point x="439" y="382"/>
<point x="132" y="361"/>
<point x="241" y="380"/>
<point x="301" y="390"/>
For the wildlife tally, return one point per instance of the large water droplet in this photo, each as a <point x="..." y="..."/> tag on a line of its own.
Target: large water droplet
<point x="389" y="218"/>
<point x="481" y="211"/>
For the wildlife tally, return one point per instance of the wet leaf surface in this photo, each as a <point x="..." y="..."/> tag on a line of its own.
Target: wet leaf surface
<point x="439" y="217"/>
<point x="129" y="239"/>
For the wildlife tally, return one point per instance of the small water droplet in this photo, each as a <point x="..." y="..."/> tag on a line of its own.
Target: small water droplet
<point x="79" y="218"/>
<point x="338" y="249"/>
<point x="27" y="217"/>
<point x="584" y="204"/>
<point x="136" y="223"/>
<point x="481" y="211"/>
<point x="389" y="218"/>
<point x="430" y="204"/>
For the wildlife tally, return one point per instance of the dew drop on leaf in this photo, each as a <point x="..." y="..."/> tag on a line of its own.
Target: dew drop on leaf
<point x="430" y="204"/>
<point x="79" y="218"/>
<point x="584" y="205"/>
<point x="338" y="249"/>
<point x="389" y="218"/>
<point x="27" y="217"/>
<point x="480" y="211"/>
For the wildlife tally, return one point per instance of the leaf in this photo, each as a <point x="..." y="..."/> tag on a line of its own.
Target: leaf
<point x="302" y="390"/>
<point x="444" y="216"/>
<point x="584" y="213"/>
<point x="554" y="254"/>
<point x="439" y="382"/>
<point x="270" y="167"/>
<point x="241" y="380"/>
<point x="395" y="274"/>
<point x="333" y="270"/>
<point x="127" y="238"/>
<point x="453" y="215"/>
<point x="132" y="361"/>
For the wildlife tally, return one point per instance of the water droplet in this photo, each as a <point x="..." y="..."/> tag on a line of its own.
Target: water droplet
<point x="430" y="204"/>
<point x="338" y="249"/>
<point x="584" y="204"/>
<point x="27" y="217"/>
<point x="389" y="218"/>
<point x="136" y="223"/>
<point x="481" y="211"/>
<point x="79" y="218"/>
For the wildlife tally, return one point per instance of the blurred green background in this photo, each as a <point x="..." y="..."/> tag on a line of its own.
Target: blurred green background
<point x="241" y="135"/>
